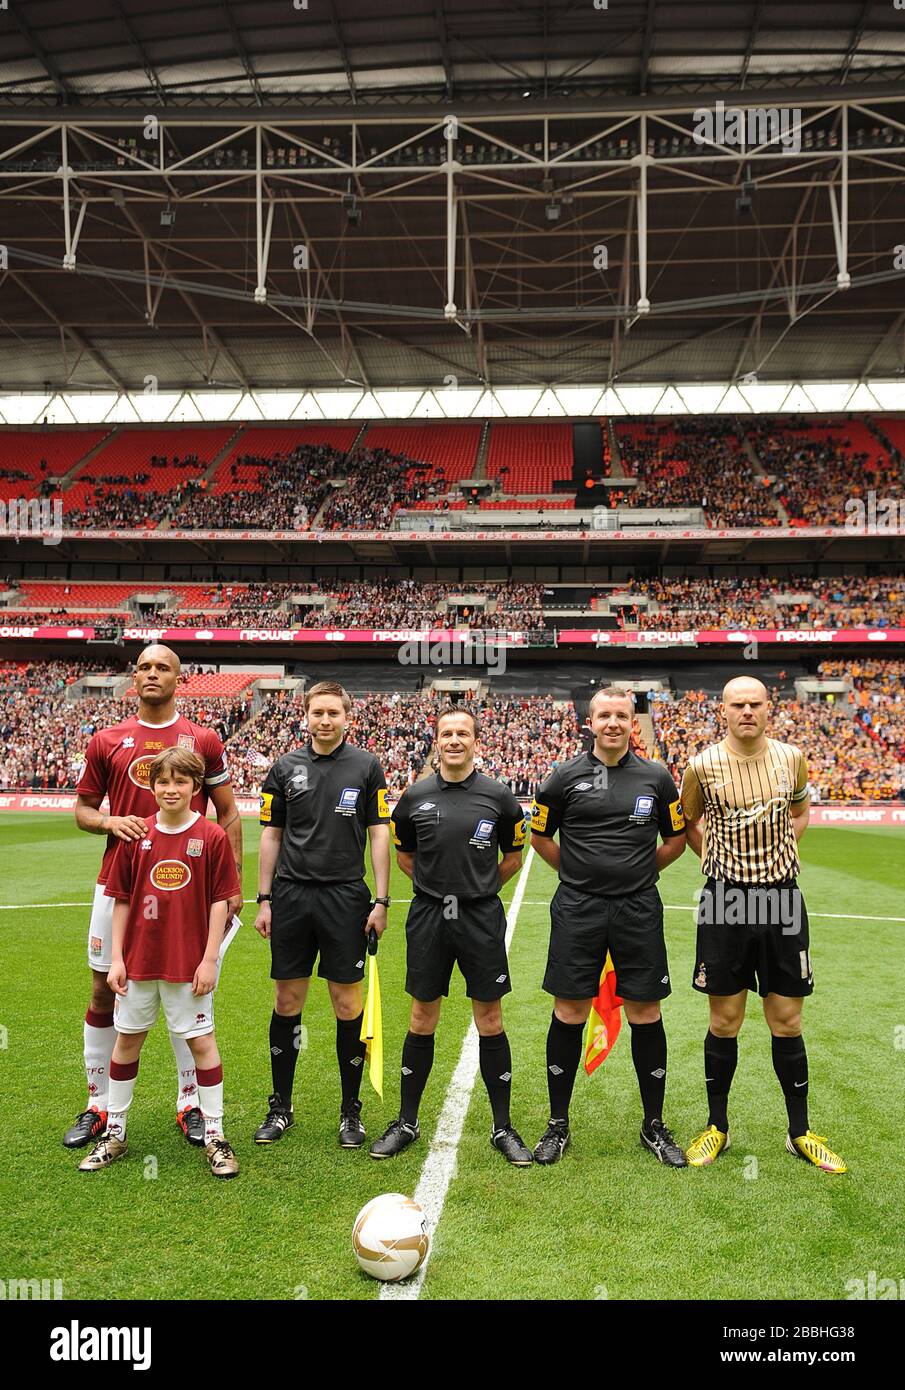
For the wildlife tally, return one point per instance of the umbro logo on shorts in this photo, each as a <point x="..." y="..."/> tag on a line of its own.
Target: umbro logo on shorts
<point x="500" y="979"/>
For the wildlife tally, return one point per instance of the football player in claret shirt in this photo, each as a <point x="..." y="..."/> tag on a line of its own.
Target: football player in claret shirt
<point x="116" y="766"/>
<point x="171" y="890"/>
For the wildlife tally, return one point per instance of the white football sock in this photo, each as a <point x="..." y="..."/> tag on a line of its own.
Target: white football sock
<point x="187" y="1092"/>
<point x="99" y="1044"/>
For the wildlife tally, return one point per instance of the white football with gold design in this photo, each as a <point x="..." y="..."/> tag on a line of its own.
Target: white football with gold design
<point x="390" y="1237"/>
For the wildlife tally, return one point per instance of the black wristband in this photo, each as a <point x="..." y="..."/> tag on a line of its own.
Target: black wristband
<point x="263" y="898"/>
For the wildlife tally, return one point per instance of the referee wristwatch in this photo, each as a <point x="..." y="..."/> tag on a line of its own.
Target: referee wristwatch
<point x="383" y="902"/>
<point x="263" y="898"/>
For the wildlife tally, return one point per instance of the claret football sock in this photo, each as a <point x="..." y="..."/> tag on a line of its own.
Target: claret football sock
<point x="100" y="1040"/>
<point x="649" y="1057"/>
<point x="122" y="1087"/>
<point x="563" y="1056"/>
<point x="790" y="1062"/>
<point x="496" y="1070"/>
<point x="187" y="1090"/>
<point x="720" y="1061"/>
<point x="284" y="1052"/>
<point x="417" y="1060"/>
<point x="350" y="1053"/>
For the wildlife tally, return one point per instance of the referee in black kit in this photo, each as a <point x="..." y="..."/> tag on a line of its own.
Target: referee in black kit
<point x="318" y="805"/>
<point x="609" y="806"/>
<point x="450" y="829"/>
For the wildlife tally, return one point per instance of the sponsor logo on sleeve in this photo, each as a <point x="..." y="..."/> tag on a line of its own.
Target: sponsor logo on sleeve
<point x="383" y="805"/>
<point x="266" y="805"/>
<point x="520" y="832"/>
<point x="539" y="814"/>
<point x="676" y="815"/>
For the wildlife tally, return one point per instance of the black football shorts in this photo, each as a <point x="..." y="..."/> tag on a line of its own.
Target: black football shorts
<point x="470" y="933"/>
<point x="753" y="936"/>
<point x="584" y="926"/>
<point x="327" y="919"/>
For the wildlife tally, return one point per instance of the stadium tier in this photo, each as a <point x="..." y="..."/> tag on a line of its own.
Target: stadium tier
<point x="136" y="460"/>
<point x="793" y="602"/>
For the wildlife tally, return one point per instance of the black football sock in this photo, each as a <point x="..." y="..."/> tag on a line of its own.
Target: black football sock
<point x="417" y="1060"/>
<point x="790" y="1062"/>
<point x="563" y="1056"/>
<point x="284" y="1051"/>
<point x="350" y="1053"/>
<point x="720" y="1061"/>
<point x="496" y="1069"/>
<point x="649" y="1057"/>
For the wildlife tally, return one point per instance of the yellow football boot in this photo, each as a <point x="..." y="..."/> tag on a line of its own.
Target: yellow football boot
<point x="707" y="1147"/>
<point x="812" y="1147"/>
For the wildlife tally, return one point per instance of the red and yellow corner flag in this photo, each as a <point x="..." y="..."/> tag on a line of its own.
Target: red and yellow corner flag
<point x="372" y="1028"/>
<point x="604" y="1020"/>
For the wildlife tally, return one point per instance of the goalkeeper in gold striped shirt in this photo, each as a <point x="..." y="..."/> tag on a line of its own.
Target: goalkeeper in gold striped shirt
<point x="746" y="806"/>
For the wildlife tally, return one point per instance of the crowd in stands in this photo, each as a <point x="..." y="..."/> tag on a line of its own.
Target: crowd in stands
<point x="816" y="477"/>
<point x="280" y="493"/>
<point x="848" y="759"/>
<point x="378" y="484"/>
<point x="690" y="464"/>
<point x="412" y="603"/>
<point x="852" y="601"/>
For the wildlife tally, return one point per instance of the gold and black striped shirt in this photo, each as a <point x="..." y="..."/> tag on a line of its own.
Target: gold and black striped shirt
<point x="748" y="836"/>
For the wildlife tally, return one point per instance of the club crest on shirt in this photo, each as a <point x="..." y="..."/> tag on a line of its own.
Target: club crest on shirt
<point x="194" y="848"/>
<point x="783" y="780"/>
<point x="185" y="741"/>
<point x="348" y="801"/>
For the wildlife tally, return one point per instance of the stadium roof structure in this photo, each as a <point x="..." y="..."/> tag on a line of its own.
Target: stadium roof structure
<point x="326" y="193"/>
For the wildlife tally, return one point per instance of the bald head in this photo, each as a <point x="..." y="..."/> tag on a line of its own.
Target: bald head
<point x="745" y="708"/>
<point x="744" y="685"/>
<point x="158" y="652"/>
<point x="156" y="679"/>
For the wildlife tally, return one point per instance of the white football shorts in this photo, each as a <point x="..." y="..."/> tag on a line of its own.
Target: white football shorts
<point x="187" y="1015"/>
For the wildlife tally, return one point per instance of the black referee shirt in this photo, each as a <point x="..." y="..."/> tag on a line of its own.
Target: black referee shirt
<point x="324" y="803"/>
<point x="457" y="831"/>
<point x="608" y="819"/>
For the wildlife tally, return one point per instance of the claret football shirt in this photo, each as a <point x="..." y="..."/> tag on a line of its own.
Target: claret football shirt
<point x="170" y="879"/>
<point x="119" y="759"/>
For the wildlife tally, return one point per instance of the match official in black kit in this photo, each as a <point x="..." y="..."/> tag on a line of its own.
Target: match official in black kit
<point x="319" y="804"/>
<point x="450" y="829"/>
<point x="608" y="806"/>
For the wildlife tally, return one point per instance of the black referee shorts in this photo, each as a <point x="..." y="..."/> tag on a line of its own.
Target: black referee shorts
<point x="584" y="926"/>
<point x="327" y="918"/>
<point x="474" y="939"/>
<point x="753" y="936"/>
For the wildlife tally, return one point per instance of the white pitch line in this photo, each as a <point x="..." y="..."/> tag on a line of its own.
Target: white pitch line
<point x="524" y="902"/>
<point x="440" y="1164"/>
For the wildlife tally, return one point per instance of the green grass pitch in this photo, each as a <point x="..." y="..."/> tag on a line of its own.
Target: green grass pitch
<point x="606" y="1222"/>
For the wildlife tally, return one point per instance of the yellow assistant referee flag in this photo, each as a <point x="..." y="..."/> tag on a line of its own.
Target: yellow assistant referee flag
<point x="372" y="1023"/>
